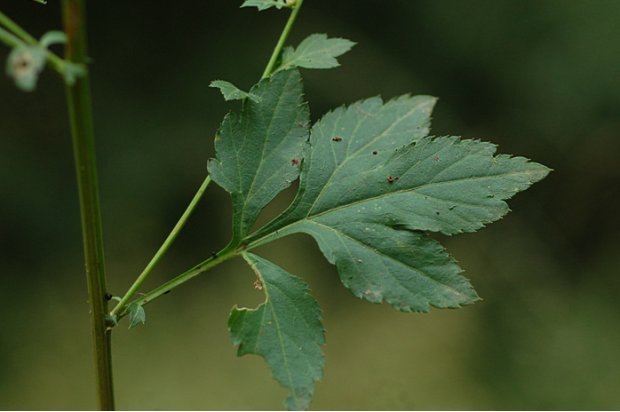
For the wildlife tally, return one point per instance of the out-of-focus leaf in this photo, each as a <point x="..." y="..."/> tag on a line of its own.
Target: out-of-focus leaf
<point x="316" y="52"/>
<point x="52" y="37"/>
<point x="73" y="71"/>
<point x="24" y="65"/>
<point x="286" y="330"/>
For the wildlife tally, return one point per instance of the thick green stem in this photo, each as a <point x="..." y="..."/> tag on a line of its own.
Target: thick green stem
<point x="162" y="250"/>
<point x="80" y="112"/>
<point x="283" y="37"/>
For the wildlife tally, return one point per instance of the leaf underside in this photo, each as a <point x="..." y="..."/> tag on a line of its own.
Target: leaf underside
<point x="372" y="184"/>
<point x="286" y="330"/>
<point x="259" y="151"/>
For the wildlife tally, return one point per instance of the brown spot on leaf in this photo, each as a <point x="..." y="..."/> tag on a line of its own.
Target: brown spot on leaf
<point x="337" y="139"/>
<point x="392" y="179"/>
<point x="295" y="162"/>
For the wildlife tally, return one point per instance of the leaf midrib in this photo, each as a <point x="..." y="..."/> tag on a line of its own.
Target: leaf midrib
<point x="342" y="235"/>
<point x="276" y="232"/>
<point x="262" y="162"/>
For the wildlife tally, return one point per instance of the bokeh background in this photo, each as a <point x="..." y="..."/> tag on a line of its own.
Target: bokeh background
<point x="540" y="78"/>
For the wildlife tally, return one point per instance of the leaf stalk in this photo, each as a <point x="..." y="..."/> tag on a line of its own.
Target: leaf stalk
<point x="9" y="39"/>
<point x="219" y="257"/>
<point x="287" y="29"/>
<point x="17" y="30"/>
<point x="230" y="251"/>
<point x="162" y="250"/>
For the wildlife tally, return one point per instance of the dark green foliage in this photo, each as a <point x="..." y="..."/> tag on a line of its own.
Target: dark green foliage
<point x="372" y="182"/>
<point x="286" y="330"/>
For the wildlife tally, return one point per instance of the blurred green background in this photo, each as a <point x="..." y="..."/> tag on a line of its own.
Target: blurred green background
<point x="539" y="78"/>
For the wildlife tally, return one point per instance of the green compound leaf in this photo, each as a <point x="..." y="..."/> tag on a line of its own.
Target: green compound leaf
<point x="316" y="52"/>
<point x="266" y="4"/>
<point x="372" y="182"/>
<point x="231" y="92"/>
<point x="136" y="314"/>
<point x="259" y="150"/>
<point x="286" y="330"/>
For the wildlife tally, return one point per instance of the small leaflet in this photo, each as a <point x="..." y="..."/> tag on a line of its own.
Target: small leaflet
<point x="232" y="92"/>
<point x="136" y="314"/>
<point x="266" y="4"/>
<point x="316" y="52"/>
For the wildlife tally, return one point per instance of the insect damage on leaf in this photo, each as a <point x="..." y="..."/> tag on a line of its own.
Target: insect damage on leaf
<point x="344" y="204"/>
<point x="372" y="184"/>
<point x="286" y="330"/>
<point x="255" y="147"/>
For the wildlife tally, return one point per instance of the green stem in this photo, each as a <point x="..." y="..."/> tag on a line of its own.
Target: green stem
<point x="162" y="250"/>
<point x="283" y="37"/>
<point x="82" y="130"/>
<point x="219" y="257"/>
<point x="9" y="39"/>
<point x="18" y="31"/>
<point x="231" y="250"/>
